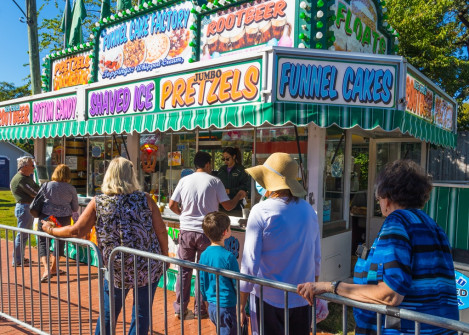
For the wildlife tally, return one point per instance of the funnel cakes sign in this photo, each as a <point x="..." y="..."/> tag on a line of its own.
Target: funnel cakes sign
<point x="249" y="25"/>
<point x="146" y="42"/>
<point x="356" y="28"/>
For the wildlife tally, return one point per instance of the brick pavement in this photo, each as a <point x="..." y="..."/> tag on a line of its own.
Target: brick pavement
<point x="76" y="296"/>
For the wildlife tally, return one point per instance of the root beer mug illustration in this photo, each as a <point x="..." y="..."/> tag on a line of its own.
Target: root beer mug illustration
<point x="279" y="26"/>
<point x="252" y="35"/>
<point x="223" y="44"/>
<point x="265" y="33"/>
<point x="213" y="44"/>
<point x="238" y="41"/>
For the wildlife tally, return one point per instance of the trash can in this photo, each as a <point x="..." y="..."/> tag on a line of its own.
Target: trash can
<point x="462" y="289"/>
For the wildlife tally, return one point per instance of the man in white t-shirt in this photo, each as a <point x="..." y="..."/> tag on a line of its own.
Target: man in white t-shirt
<point x="195" y="196"/>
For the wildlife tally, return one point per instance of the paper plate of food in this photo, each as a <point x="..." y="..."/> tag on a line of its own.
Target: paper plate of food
<point x="179" y="41"/>
<point x="157" y="47"/>
<point x="110" y="61"/>
<point x="134" y="53"/>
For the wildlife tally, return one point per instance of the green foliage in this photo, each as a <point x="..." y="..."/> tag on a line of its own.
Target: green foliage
<point x="9" y="91"/>
<point x="434" y="38"/>
<point x="463" y="117"/>
<point x="333" y="323"/>
<point x="26" y="144"/>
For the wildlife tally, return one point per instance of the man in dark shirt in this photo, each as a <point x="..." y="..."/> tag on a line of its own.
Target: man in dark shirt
<point x="24" y="189"/>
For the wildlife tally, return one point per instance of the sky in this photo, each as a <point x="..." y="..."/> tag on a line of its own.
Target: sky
<point x="14" y="41"/>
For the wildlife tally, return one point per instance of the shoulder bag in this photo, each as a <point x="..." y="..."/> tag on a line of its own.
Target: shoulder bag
<point x="35" y="208"/>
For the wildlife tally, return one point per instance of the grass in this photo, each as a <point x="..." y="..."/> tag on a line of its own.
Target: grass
<point x="7" y="213"/>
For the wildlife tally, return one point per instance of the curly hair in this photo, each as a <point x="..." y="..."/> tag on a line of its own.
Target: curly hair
<point x="405" y="183"/>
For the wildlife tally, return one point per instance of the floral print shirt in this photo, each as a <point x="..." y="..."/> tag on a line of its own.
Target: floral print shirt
<point x="126" y="220"/>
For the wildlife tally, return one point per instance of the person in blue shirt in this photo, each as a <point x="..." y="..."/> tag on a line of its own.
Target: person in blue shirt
<point x="216" y="226"/>
<point x="409" y="264"/>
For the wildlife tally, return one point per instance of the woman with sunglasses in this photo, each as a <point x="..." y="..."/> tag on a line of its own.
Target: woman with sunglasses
<point x="232" y="174"/>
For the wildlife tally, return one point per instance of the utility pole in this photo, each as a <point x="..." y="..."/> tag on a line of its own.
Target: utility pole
<point x="31" y="19"/>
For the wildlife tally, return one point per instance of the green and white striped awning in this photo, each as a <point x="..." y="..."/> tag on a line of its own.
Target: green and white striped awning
<point x="256" y="115"/>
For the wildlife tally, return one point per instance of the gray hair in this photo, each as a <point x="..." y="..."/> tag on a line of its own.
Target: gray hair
<point x="23" y="161"/>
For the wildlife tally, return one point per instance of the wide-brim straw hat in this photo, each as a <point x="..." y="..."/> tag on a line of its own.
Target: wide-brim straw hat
<point x="279" y="172"/>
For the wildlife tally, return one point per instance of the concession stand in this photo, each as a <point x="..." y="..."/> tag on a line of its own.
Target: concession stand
<point x="318" y="80"/>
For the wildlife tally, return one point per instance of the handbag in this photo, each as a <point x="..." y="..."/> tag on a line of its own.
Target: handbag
<point x="35" y="208"/>
<point x="244" y="327"/>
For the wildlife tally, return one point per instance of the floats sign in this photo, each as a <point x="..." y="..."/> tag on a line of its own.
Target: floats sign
<point x="55" y="110"/>
<point x="122" y="100"/>
<point x="211" y="87"/>
<point x="71" y="71"/>
<point x="339" y="83"/>
<point x="424" y="102"/>
<point x="146" y="42"/>
<point x="251" y="25"/>
<point x="14" y="115"/>
<point x="356" y="28"/>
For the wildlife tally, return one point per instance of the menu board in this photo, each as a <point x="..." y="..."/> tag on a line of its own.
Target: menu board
<point x="356" y="28"/>
<point x="71" y="70"/>
<point x="247" y="26"/>
<point x="444" y="113"/>
<point x="146" y="43"/>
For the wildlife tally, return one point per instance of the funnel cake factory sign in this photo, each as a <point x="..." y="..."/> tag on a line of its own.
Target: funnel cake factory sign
<point x="145" y="43"/>
<point x="326" y="82"/>
<point x="71" y="71"/>
<point x="356" y="28"/>
<point x="225" y="85"/>
<point x="250" y="25"/>
<point x="14" y="115"/>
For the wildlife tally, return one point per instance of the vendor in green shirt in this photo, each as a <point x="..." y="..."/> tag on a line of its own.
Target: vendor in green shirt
<point x="232" y="174"/>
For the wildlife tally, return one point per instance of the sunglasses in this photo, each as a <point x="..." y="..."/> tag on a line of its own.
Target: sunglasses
<point x="226" y="159"/>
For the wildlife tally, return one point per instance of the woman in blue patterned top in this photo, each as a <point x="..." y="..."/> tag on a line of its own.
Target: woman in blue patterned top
<point x="409" y="264"/>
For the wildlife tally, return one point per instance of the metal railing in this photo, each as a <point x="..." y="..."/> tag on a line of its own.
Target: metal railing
<point x="41" y="307"/>
<point x="396" y="312"/>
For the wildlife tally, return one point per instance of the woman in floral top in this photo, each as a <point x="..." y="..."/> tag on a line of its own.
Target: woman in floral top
<point x="124" y="216"/>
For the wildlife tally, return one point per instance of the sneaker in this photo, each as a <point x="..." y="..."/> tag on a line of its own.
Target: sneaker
<point x="203" y="315"/>
<point x="178" y="315"/>
<point x="25" y="263"/>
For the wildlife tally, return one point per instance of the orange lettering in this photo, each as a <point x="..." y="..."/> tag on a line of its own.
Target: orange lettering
<point x="236" y="94"/>
<point x="225" y="86"/>
<point x="190" y="91"/>
<point x="200" y="100"/>
<point x="259" y="13"/>
<point x="179" y="88"/>
<point x="251" y="79"/>
<point x="278" y="10"/>
<point x="212" y="96"/>
<point x="166" y="91"/>
<point x="250" y="15"/>
<point x="268" y="10"/>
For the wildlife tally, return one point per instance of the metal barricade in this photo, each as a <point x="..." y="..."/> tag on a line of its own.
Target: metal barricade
<point x="65" y="303"/>
<point x="417" y="317"/>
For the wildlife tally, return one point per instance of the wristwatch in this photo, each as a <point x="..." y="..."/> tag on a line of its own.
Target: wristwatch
<point x="335" y="285"/>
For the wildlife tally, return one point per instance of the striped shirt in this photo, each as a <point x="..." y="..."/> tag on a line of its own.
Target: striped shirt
<point x="412" y="256"/>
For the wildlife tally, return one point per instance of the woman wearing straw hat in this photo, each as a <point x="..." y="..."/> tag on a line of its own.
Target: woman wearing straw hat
<point x="282" y="244"/>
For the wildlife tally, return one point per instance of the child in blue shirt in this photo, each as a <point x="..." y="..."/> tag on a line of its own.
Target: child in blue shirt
<point x="216" y="226"/>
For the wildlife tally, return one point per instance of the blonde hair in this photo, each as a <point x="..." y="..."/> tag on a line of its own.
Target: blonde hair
<point x="62" y="173"/>
<point x="120" y="178"/>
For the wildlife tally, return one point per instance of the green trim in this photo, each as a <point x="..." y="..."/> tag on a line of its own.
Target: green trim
<point x="256" y="115"/>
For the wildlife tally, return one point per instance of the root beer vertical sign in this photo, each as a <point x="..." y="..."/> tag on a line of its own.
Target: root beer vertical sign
<point x="14" y="115"/>
<point x="247" y="26"/>
<point x="233" y="84"/>
<point x="71" y="71"/>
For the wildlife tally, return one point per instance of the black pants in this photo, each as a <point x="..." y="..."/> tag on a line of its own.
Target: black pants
<point x="299" y="320"/>
<point x="64" y="221"/>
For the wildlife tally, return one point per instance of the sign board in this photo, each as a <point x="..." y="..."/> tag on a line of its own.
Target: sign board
<point x="426" y="103"/>
<point x="356" y="28"/>
<point x="146" y="43"/>
<point x="462" y="290"/>
<point x="121" y="100"/>
<point x="55" y="110"/>
<point x="71" y="70"/>
<point x="232" y="84"/>
<point x="333" y="82"/>
<point x="15" y="115"/>
<point x="247" y="26"/>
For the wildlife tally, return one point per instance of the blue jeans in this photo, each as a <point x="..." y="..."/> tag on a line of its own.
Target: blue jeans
<point x="227" y="319"/>
<point x="25" y="220"/>
<point x="144" y="308"/>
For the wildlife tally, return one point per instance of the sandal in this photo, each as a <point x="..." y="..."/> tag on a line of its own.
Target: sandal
<point x="45" y="278"/>
<point x="61" y="272"/>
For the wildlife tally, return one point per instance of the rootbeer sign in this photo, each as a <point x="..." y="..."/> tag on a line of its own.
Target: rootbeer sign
<point x="341" y="83"/>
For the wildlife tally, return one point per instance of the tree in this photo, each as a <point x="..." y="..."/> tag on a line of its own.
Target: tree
<point x="463" y="117"/>
<point x="9" y="91"/>
<point x="434" y="38"/>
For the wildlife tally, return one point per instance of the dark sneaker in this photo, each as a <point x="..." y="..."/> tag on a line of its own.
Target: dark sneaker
<point x="25" y="263"/>
<point x="178" y="315"/>
<point x="203" y="315"/>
